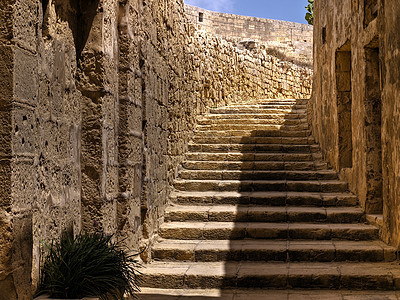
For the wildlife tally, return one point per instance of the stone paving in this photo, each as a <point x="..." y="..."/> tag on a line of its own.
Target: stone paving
<point x="157" y="294"/>
<point x="255" y="209"/>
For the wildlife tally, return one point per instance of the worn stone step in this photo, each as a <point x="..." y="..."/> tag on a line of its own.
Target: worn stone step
<point x="249" y="122"/>
<point x="281" y="106"/>
<point x="253" y="140"/>
<point x="252" y="127"/>
<point x="243" y="230"/>
<point x="232" y="156"/>
<point x="330" y="275"/>
<point x="273" y="250"/>
<point x="257" y="175"/>
<point x="272" y="100"/>
<point x="252" y="133"/>
<point x="252" y="116"/>
<point x="244" y="148"/>
<point x="265" y="198"/>
<point x="205" y="122"/>
<point x="256" y="165"/>
<point x="249" y="213"/>
<point x="256" y="110"/>
<point x="268" y="101"/>
<point x="261" y="185"/>
<point x="270" y="294"/>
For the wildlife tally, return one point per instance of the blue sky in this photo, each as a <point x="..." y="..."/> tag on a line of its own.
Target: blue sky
<point x="288" y="10"/>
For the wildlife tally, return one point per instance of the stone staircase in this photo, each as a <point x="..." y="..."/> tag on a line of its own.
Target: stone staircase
<point x="256" y="207"/>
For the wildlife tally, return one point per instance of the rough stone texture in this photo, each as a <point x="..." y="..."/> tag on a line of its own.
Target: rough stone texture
<point x="390" y="117"/>
<point x="17" y="107"/>
<point x="288" y="39"/>
<point x="368" y="32"/>
<point x="98" y="100"/>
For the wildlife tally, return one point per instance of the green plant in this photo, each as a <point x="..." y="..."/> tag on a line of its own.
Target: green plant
<point x="310" y="12"/>
<point x="89" y="265"/>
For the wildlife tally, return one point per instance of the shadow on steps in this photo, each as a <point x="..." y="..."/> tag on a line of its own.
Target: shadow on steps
<point x="256" y="208"/>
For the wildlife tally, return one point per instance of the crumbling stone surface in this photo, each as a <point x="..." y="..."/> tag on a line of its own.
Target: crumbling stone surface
<point x="368" y="31"/>
<point x="98" y="100"/>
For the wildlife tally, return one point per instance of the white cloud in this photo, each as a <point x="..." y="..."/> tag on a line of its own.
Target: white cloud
<point x="216" y="5"/>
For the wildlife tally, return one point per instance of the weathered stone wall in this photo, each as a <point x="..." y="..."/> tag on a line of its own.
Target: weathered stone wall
<point x="98" y="101"/>
<point x="40" y="130"/>
<point x="334" y="17"/>
<point x="291" y="40"/>
<point x="390" y="12"/>
<point x="185" y="71"/>
<point x="223" y="74"/>
<point x="368" y="31"/>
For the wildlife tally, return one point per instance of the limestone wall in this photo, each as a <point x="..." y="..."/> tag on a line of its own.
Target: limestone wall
<point x="389" y="42"/>
<point x="223" y="74"/>
<point x="368" y="31"/>
<point x="40" y="141"/>
<point x="291" y="40"/>
<point x="98" y="102"/>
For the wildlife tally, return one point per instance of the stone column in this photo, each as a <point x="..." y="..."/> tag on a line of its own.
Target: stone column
<point x="130" y="137"/>
<point x="98" y="83"/>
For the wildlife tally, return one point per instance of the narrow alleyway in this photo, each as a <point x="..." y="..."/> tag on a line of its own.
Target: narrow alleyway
<point x="256" y="207"/>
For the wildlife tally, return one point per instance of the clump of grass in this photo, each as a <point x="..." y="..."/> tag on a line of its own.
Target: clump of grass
<point x="89" y="265"/>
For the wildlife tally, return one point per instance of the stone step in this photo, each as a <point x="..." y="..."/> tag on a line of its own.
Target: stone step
<point x="265" y="198"/>
<point x="271" y="250"/>
<point x="256" y="110"/>
<point x="248" y="213"/>
<point x="277" y="105"/>
<point x="271" y="294"/>
<point x="245" y="230"/>
<point x="267" y="101"/>
<point x="252" y="133"/>
<point x="312" y="275"/>
<point x="251" y="116"/>
<point x="251" y="127"/>
<point x="261" y="185"/>
<point x="255" y="165"/>
<point x="232" y="156"/>
<point x="257" y="175"/>
<point x="244" y="148"/>
<point x="249" y="122"/>
<point x="253" y="140"/>
<point x="255" y="206"/>
<point x="273" y="102"/>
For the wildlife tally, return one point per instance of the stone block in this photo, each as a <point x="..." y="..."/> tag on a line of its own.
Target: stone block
<point x="22" y="256"/>
<point x="318" y="275"/>
<point x="7" y="59"/>
<point x="25" y="76"/>
<point x="6" y="133"/>
<point x="255" y="277"/>
<point x="26" y="22"/>
<point x="214" y="276"/>
<point x="23" y="185"/>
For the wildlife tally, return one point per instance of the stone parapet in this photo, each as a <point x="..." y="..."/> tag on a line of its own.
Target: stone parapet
<point x="290" y="40"/>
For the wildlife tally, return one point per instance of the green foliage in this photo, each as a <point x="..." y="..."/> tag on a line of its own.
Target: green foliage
<point x="310" y="12"/>
<point x="89" y="265"/>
